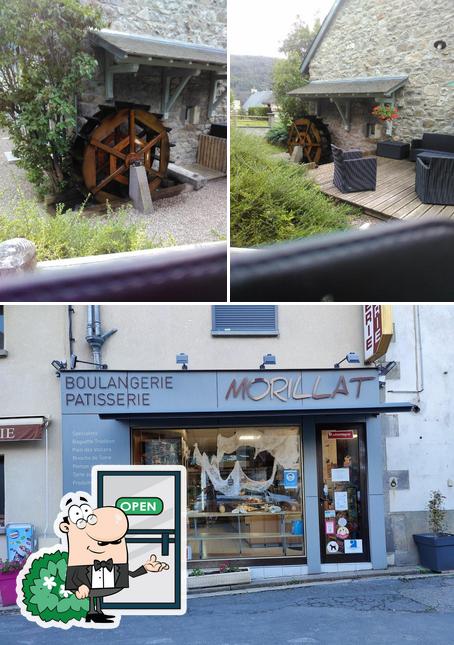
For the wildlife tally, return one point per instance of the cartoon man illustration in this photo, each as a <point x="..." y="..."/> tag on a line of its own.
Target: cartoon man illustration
<point x="97" y="553"/>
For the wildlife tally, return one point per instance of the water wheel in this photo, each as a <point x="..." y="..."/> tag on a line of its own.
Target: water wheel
<point x="313" y="135"/>
<point x="112" y="141"/>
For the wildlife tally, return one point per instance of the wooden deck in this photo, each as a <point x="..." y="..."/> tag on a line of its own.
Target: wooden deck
<point x="394" y="197"/>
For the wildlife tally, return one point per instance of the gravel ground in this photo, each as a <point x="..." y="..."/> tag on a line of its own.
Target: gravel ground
<point x="13" y="181"/>
<point x="193" y="217"/>
<point x="189" y="218"/>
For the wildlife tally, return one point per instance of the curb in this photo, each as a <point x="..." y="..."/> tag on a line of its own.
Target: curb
<point x="315" y="580"/>
<point x="292" y="583"/>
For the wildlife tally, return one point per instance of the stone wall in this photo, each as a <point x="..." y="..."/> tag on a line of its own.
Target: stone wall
<point x="360" y="117"/>
<point x="393" y="37"/>
<point x="203" y="22"/>
<point x="193" y="21"/>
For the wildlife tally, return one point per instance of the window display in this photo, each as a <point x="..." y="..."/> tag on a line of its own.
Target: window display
<point x="244" y="488"/>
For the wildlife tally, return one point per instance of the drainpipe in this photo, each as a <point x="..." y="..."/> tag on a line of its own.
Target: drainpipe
<point x="419" y="371"/>
<point x="95" y="338"/>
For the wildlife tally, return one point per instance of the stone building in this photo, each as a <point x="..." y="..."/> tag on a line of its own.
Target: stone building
<point x="396" y="52"/>
<point x="169" y="55"/>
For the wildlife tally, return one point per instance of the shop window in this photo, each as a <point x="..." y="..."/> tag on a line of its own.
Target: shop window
<point x="244" y="320"/>
<point x="2" y="491"/>
<point x="245" y="488"/>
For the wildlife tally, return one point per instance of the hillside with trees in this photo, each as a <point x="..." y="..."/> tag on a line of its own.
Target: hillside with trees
<point x="247" y="72"/>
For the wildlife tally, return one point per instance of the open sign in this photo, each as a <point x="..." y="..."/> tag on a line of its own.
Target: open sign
<point x="140" y="505"/>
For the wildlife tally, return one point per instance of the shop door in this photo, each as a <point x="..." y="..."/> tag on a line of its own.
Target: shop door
<point x="342" y="477"/>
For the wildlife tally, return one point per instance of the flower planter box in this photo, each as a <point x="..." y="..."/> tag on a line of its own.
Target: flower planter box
<point x="216" y="579"/>
<point x="8" y="588"/>
<point x="436" y="552"/>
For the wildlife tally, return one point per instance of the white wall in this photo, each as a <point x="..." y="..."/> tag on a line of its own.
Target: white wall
<point x="149" y="337"/>
<point x="425" y="445"/>
<point x="34" y="336"/>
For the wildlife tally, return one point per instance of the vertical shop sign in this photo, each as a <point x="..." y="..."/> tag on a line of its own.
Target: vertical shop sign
<point x="378" y="331"/>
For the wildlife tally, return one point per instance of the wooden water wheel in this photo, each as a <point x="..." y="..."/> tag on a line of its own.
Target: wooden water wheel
<point x="113" y="140"/>
<point x="313" y="135"/>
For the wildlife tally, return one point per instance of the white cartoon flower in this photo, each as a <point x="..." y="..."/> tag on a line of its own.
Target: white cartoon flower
<point x="49" y="582"/>
<point x="64" y="592"/>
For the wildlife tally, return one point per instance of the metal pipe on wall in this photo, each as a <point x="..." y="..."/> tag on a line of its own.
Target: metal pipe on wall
<point x="419" y="373"/>
<point x="95" y="338"/>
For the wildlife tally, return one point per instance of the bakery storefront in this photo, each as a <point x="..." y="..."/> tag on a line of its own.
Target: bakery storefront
<point x="284" y="467"/>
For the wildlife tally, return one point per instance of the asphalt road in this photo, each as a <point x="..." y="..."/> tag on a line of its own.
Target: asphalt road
<point x="371" y="612"/>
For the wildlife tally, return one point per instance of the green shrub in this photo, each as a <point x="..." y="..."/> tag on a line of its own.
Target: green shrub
<point x="259" y="110"/>
<point x="43" y="67"/>
<point x="272" y="199"/>
<point x="70" y="234"/>
<point x="278" y="134"/>
<point x="44" y="592"/>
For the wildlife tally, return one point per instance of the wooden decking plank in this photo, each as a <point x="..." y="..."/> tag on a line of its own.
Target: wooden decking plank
<point x="390" y="192"/>
<point x="400" y="204"/>
<point x="448" y="211"/>
<point x="395" y="196"/>
<point x="386" y="201"/>
<point x="405" y="209"/>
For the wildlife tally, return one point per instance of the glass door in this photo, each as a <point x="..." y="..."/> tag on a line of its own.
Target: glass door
<point x="342" y="464"/>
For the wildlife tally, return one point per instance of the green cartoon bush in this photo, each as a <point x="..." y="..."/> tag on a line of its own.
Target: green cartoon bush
<point x="44" y="590"/>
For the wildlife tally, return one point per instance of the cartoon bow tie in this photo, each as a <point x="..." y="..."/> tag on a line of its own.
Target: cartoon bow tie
<point x="103" y="564"/>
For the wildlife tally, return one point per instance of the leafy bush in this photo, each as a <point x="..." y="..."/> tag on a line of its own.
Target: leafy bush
<point x="44" y="593"/>
<point x="70" y="234"/>
<point x="272" y="199"/>
<point x="278" y="134"/>
<point x="259" y="110"/>
<point x="42" y="67"/>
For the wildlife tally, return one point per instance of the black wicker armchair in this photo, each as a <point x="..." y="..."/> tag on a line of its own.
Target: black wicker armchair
<point x="353" y="172"/>
<point x="435" y="178"/>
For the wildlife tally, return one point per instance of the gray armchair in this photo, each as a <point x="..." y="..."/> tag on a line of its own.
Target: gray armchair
<point x="435" y="178"/>
<point x="353" y="172"/>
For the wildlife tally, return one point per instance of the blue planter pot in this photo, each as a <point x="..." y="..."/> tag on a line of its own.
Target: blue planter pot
<point x="436" y="552"/>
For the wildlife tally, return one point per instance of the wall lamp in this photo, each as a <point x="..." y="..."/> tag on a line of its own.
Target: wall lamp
<point x="268" y="359"/>
<point x="351" y="357"/>
<point x="183" y="360"/>
<point x="385" y="368"/>
<point x="74" y="360"/>
<point x="59" y="366"/>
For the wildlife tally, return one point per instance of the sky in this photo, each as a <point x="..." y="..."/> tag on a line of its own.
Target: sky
<point x="257" y="27"/>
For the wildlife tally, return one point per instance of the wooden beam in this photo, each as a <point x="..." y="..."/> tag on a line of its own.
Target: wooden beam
<point x="108" y="76"/>
<point x="124" y="68"/>
<point x="345" y="116"/>
<point x="168" y="99"/>
<point x="175" y="64"/>
<point x="213" y="100"/>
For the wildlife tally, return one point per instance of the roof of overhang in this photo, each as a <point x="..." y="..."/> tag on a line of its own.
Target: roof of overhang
<point x="372" y="410"/>
<point x="351" y="87"/>
<point x="123" y="45"/>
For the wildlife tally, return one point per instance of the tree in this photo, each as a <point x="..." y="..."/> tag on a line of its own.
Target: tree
<point x="287" y="71"/>
<point x="42" y="66"/>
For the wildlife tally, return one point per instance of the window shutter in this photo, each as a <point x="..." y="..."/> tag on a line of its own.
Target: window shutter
<point x="244" y="320"/>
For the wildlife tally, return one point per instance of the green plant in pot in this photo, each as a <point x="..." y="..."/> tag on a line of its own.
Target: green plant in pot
<point x="436" y="549"/>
